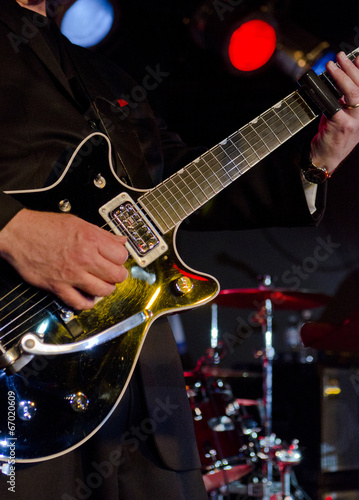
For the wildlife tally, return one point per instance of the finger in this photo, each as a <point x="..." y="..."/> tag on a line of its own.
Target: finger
<point x="108" y="272"/>
<point x="75" y="299"/>
<point x="349" y="67"/>
<point x="114" y="250"/>
<point x="95" y="286"/>
<point x="82" y="295"/>
<point x="107" y="264"/>
<point x="345" y="79"/>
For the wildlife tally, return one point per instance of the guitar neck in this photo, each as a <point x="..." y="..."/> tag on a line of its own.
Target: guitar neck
<point x="190" y="188"/>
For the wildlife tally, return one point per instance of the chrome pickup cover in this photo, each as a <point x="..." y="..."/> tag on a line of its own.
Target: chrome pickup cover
<point x="124" y="217"/>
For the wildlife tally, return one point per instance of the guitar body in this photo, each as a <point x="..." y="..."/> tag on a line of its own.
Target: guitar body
<point x="59" y="401"/>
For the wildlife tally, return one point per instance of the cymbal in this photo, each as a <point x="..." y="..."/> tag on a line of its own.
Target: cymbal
<point x="251" y="298"/>
<point x="213" y="371"/>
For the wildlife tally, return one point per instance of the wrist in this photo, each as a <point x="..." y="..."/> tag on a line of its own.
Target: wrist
<point x="315" y="173"/>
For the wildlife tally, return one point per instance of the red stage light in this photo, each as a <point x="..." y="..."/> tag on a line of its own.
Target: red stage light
<point x="252" y="45"/>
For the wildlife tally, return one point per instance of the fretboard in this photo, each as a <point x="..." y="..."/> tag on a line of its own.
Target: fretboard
<point x="190" y="188"/>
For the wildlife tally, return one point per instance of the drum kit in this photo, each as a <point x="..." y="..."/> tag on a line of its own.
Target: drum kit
<point x="239" y="453"/>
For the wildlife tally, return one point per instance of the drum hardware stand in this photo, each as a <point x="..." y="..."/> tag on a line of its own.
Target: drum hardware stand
<point x="268" y="353"/>
<point x="270" y="443"/>
<point x="216" y="351"/>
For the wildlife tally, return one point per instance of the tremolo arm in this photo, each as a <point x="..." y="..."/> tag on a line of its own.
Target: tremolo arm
<point x="31" y="344"/>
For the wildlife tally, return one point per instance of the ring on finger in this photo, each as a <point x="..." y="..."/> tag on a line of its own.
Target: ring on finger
<point x="354" y="106"/>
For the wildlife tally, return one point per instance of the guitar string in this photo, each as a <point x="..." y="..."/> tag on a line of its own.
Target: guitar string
<point x="9" y="293"/>
<point x="19" y="305"/>
<point x="27" y="320"/>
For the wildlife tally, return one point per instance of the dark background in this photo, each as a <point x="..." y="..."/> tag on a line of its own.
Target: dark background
<point x="204" y="101"/>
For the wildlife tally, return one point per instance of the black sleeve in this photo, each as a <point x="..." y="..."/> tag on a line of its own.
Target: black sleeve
<point x="9" y="208"/>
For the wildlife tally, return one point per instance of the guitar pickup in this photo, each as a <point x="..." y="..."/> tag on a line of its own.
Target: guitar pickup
<point x="144" y="242"/>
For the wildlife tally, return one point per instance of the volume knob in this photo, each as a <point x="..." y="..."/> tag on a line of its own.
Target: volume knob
<point x="183" y="285"/>
<point x="78" y="402"/>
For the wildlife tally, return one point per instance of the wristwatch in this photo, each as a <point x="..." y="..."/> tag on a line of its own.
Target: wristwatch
<point x="314" y="174"/>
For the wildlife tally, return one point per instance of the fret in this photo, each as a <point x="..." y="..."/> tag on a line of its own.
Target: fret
<point x="233" y="159"/>
<point x="216" y="161"/>
<point x="289" y="118"/>
<point x="224" y="160"/>
<point x="177" y="200"/>
<point x="224" y="155"/>
<point x="254" y="141"/>
<point x="183" y="193"/>
<point x="261" y="138"/>
<point x="155" y="199"/>
<point x="304" y="113"/>
<point x="266" y="132"/>
<point x="199" y="177"/>
<point x="275" y="123"/>
<point x="248" y="153"/>
<point x="182" y="197"/>
<point x="242" y="163"/>
<point x="230" y="151"/>
<point x="195" y="187"/>
<point x="208" y="165"/>
<point x="170" y="215"/>
<point x="153" y="208"/>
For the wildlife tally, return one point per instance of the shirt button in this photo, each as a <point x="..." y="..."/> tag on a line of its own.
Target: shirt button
<point x="93" y="124"/>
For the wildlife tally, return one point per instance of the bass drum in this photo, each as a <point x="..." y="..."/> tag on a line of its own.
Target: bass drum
<point x="223" y="440"/>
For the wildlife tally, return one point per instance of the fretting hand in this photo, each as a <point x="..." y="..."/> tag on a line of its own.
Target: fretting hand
<point x="337" y="137"/>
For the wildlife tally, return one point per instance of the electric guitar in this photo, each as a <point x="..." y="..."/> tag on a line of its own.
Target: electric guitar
<point x="63" y="372"/>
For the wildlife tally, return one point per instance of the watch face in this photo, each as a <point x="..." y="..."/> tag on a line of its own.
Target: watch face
<point x="316" y="175"/>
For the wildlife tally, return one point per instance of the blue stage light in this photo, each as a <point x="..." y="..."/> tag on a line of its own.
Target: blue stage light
<point x="319" y="66"/>
<point x="88" y="22"/>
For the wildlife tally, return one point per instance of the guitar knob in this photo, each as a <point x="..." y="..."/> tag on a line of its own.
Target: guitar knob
<point x="183" y="285"/>
<point x="65" y="206"/>
<point x="26" y="410"/>
<point x="99" y="181"/>
<point x="78" y="402"/>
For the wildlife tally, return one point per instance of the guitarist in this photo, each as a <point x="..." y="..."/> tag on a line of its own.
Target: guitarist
<point x="53" y="95"/>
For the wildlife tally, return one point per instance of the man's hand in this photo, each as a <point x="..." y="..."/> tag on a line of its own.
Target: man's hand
<point x="338" y="136"/>
<point x="64" y="255"/>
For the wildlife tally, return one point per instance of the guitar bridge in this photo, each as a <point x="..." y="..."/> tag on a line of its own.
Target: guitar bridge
<point x="124" y="217"/>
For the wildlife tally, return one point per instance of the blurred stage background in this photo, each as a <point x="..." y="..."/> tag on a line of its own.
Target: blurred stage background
<point x="204" y="98"/>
